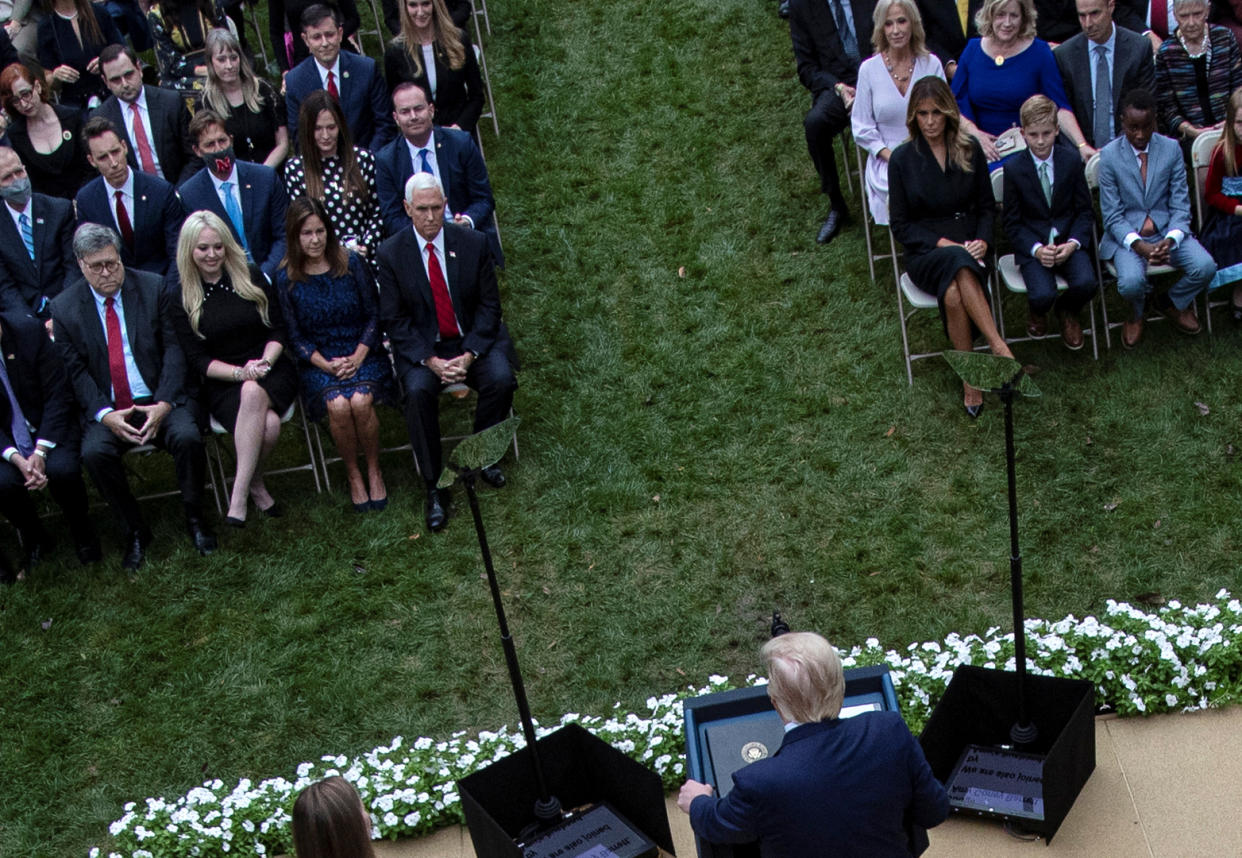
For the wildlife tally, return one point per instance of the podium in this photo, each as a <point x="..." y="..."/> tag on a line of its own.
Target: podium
<point x="730" y="729"/>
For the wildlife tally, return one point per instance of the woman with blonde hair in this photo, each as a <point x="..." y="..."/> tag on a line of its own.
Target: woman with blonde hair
<point x="432" y="52"/>
<point x="884" y="80"/>
<point x="252" y="110"/>
<point x="232" y="333"/>
<point x="1222" y="190"/>
<point x="942" y="211"/>
<point x="329" y="821"/>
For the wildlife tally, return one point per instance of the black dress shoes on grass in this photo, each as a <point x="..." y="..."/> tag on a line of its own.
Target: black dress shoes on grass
<point x="436" y="516"/>
<point x="493" y="476"/>
<point x="135" y="553"/>
<point x="827" y="232"/>
<point x="202" y="537"/>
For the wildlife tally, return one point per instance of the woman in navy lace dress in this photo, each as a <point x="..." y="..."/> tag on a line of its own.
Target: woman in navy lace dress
<point x="332" y="316"/>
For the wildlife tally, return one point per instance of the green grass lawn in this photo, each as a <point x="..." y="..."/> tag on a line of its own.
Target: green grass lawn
<point x="715" y="423"/>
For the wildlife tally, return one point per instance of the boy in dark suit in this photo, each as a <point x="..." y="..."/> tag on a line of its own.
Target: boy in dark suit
<point x="1047" y="215"/>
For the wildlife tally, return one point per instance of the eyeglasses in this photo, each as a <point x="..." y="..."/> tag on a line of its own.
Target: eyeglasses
<point x="105" y="267"/>
<point x="23" y="96"/>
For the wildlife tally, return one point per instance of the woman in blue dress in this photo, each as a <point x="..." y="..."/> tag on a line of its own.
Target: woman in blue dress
<point x="332" y="316"/>
<point x="1002" y="69"/>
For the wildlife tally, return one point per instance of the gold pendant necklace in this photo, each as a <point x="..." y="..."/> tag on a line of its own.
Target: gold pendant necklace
<point x="1000" y="60"/>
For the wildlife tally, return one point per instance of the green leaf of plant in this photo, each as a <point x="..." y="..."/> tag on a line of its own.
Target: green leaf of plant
<point x="485" y="448"/>
<point x="988" y="372"/>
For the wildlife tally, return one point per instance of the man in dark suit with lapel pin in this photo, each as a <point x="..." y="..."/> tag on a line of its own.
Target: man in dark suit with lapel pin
<point x="36" y="235"/>
<point x="447" y="154"/>
<point x="948" y="26"/>
<point x="145" y="210"/>
<point x="114" y="331"/>
<point x="1123" y="55"/>
<point x="39" y="439"/>
<point x="355" y="80"/>
<point x="1047" y="212"/>
<point x="250" y="198"/>
<point x="830" y="38"/>
<point x="440" y="305"/>
<point x="155" y="121"/>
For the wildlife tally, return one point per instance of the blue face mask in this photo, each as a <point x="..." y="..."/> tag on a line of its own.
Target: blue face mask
<point x="18" y="191"/>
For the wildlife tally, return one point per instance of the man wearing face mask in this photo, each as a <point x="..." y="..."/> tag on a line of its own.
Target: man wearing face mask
<point x="250" y="198"/>
<point x="36" y="242"/>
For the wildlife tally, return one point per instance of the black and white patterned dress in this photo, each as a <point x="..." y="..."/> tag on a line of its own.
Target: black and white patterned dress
<point x="351" y="215"/>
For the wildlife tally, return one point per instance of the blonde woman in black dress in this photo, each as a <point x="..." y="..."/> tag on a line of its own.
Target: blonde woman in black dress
<point x="233" y="336"/>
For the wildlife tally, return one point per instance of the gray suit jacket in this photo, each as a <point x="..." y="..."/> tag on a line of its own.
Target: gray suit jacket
<point x="1124" y="200"/>
<point x="1132" y="69"/>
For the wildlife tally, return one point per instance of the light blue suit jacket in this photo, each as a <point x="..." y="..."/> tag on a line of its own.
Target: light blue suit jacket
<point x="1124" y="200"/>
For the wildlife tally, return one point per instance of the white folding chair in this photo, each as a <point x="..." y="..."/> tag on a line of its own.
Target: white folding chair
<point x="225" y="480"/>
<point x="144" y="450"/>
<point x="872" y="256"/>
<point x="1010" y="275"/>
<point x="1200" y="157"/>
<point x="480" y="11"/>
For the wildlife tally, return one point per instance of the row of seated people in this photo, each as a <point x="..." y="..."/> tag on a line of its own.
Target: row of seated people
<point x="131" y="362"/>
<point x="998" y="62"/>
<point x="942" y="213"/>
<point x="263" y="121"/>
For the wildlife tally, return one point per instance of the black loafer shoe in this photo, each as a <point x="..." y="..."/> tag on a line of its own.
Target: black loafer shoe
<point x="493" y="476"/>
<point x="436" y="516"/>
<point x="135" y="551"/>
<point x="202" y="537"/>
<point x="827" y="232"/>
<point x="973" y="411"/>
<point x="89" y="552"/>
<point x="273" y="511"/>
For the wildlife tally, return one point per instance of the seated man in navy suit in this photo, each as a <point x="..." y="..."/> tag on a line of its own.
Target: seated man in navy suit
<point x="355" y="80"/>
<point x="250" y="198"/>
<point x="1145" y="205"/>
<point x="144" y="209"/>
<point x="39" y="440"/>
<point x="440" y="305"/>
<point x="155" y="121"/>
<point x="840" y="787"/>
<point x="36" y="242"/>
<point x="1047" y="213"/>
<point x="445" y="153"/>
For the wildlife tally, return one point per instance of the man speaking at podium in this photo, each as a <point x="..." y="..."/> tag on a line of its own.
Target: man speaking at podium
<point x="837" y="787"/>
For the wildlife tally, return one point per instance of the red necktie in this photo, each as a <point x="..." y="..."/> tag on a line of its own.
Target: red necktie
<point x="121" y="396"/>
<point x="332" y="90"/>
<point x="122" y="221"/>
<point x="145" y="157"/>
<point x="440" y="294"/>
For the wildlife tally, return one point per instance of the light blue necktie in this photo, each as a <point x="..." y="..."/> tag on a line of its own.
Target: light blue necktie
<point x="27" y="234"/>
<point x="21" y="433"/>
<point x="425" y="166"/>
<point x="234" y="212"/>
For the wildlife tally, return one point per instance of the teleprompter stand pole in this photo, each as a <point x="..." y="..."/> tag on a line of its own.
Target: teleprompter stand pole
<point x="1023" y="732"/>
<point x="547" y="806"/>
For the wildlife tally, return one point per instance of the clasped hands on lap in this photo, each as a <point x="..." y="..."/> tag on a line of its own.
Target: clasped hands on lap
<point x="138" y="424"/>
<point x="1051" y="255"/>
<point x="1155" y="253"/>
<point x="453" y="370"/>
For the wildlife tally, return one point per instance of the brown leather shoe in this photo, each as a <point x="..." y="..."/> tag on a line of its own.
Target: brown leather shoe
<point x="1185" y="320"/>
<point x="1071" y="332"/>
<point x="1037" y="324"/>
<point x="1131" y="332"/>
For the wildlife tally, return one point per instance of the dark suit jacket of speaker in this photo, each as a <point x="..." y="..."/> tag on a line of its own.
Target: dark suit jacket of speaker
<point x="364" y="98"/>
<point x="156" y="220"/>
<point x="846" y="787"/>
<point x="83" y="345"/>
<point x="24" y="282"/>
<point x="408" y="310"/>
<point x="817" y="46"/>
<point x="1028" y="217"/>
<point x="462" y="173"/>
<point x="943" y="27"/>
<point x="170" y="122"/>
<point x="264" y="203"/>
<point x="39" y="381"/>
<point x="1132" y="69"/>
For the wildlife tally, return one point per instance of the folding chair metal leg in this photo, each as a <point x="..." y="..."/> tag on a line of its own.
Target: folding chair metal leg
<point x="487" y="86"/>
<point x="479" y="8"/>
<point x="254" y="22"/>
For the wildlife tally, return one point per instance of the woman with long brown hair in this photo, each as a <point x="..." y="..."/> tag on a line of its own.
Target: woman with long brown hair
<point x="329" y="821"/>
<point x="331" y="311"/>
<point x="942" y="210"/>
<point x="334" y="171"/>
<point x="70" y="37"/>
<point x="432" y="52"/>
<point x="1222" y="190"/>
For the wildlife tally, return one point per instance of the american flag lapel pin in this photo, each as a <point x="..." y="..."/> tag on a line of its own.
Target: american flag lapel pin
<point x="38" y="220"/>
<point x="345" y="74"/>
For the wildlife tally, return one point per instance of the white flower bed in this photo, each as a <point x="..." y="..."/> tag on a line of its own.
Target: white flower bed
<point x="1178" y="658"/>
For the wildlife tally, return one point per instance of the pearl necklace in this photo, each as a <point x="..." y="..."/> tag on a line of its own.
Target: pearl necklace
<point x="898" y="78"/>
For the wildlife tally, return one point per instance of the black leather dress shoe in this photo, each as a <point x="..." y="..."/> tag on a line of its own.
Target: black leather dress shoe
<point x="89" y="551"/>
<point x="827" y="232"/>
<point x="783" y="9"/>
<point x="973" y="411"/>
<point x="436" y="516"/>
<point x="493" y="476"/>
<point x="200" y="534"/>
<point x="135" y="550"/>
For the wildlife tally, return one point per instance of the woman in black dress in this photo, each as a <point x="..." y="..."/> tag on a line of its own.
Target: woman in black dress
<point x="941" y="208"/>
<point x="233" y="336"/>
<point x="253" y="112"/>
<point x="332" y="170"/>
<point x="48" y="137"/>
<point x="433" y="53"/>
<point x="70" y="37"/>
